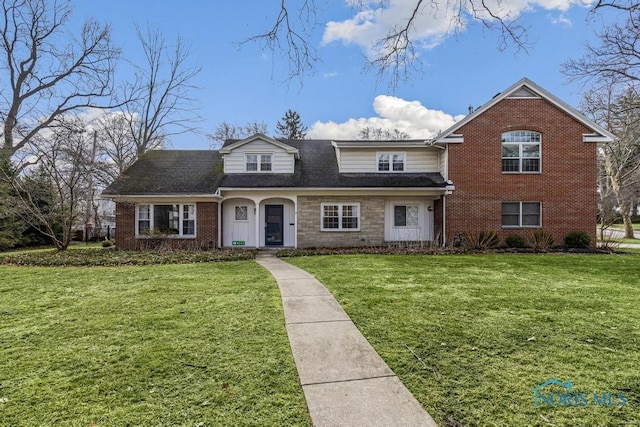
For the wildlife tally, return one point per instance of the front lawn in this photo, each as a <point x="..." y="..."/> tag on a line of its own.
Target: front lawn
<point x="196" y="344"/>
<point x="472" y="335"/>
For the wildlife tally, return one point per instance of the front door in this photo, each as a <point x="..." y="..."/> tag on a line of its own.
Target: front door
<point x="274" y="225"/>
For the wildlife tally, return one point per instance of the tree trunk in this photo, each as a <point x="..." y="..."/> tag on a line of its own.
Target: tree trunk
<point x="628" y="225"/>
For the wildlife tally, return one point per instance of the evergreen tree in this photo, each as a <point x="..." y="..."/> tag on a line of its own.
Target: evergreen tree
<point x="11" y="225"/>
<point x="291" y="126"/>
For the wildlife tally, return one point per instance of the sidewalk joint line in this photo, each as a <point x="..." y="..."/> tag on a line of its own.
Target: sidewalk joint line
<point x="320" y="321"/>
<point x="350" y="380"/>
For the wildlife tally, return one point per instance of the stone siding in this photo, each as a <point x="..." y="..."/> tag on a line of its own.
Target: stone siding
<point x="371" y="222"/>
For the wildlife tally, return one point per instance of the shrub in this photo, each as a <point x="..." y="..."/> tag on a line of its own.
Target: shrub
<point x="577" y="239"/>
<point x="100" y="257"/>
<point x="107" y="244"/>
<point x="541" y="240"/>
<point x="515" y="241"/>
<point x="608" y="243"/>
<point x="481" y="240"/>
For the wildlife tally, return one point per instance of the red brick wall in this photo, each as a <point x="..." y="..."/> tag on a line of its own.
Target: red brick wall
<point x="566" y="187"/>
<point x="206" y="224"/>
<point x="125" y="225"/>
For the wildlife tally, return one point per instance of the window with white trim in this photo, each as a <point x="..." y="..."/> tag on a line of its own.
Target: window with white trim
<point x="144" y="218"/>
<point x="405" y="216"/>
<point x="340" y="216"/>
<point x="521" y="151"/>
<point x="258" y="162"/>
<point x="173" y="219"/>
<point x="391" y="162"/>
<point x="521" y="214"/>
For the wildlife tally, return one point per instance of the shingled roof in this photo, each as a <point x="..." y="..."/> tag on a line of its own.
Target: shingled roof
<point x="201" y="172"/>
<point x="170" y="172"/>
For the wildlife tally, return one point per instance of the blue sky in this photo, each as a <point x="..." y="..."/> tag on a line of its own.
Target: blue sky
<point x="242" y="84"/>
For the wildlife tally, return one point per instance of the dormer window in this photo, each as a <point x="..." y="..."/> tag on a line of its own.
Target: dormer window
<point x="259" y="163"/>
<point x="391" y="162"/>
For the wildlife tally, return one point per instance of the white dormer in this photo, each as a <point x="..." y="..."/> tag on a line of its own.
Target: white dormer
<point x="388" y="156"/>
<point x="259" y="154"/>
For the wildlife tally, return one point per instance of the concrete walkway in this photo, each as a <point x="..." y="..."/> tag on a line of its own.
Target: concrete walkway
<point x="345" y="382"/>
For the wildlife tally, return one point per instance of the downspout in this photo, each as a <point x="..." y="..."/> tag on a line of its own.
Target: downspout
<point x="219" y="224"/>
<point x="295" y="221"/>
<point x="444" y="220"/>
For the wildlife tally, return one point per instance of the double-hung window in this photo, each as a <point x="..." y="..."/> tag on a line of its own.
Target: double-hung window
<point x="521" y="214"/>
<point x="340" y="216"/>
<point x="391" y="162"/>
<point x="521" y="151"/>
<point x="258" y="163"/>
<point x="173" y="219"/>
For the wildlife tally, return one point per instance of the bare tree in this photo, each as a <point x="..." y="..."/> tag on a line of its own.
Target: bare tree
<point x="396" y="56"/>
<point x="289" y="36"/>
<point x="61" y="178"/>
<point x="116" y="149"/>
<point x="382" y="134"/>
<point x="618" y="107"/>
<point x="160" y="104"/>
<point x="226" y="130"/>
<point x="45" y="73"/>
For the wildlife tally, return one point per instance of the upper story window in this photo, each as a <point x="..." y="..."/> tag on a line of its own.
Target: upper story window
<point x="178" y="220"/>
<point x="391" y="162"/>
<point x="521" y="151"/>
<point x="259" y="163"/>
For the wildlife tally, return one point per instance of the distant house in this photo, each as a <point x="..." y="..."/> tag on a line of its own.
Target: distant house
<point x="523" y="161"/>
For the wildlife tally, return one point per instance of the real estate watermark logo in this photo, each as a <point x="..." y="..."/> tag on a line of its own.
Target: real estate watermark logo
<point x="544" y="395"/>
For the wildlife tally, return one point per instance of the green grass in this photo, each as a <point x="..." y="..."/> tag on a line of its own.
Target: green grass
<point x="194" y="344"/>
<point x="472" y="335"/>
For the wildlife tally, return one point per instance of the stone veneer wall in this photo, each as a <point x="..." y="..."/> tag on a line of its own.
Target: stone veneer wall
<point x="371" y="222"/>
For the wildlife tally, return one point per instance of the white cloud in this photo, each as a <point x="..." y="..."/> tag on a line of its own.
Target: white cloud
<point x="432" y="24"/>
<point x="393" y="113"/>
<point x="330" y="75"/>
<point x="561" y="20"/>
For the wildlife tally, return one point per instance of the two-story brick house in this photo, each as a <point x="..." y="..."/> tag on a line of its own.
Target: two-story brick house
<point x="523" y="161"/>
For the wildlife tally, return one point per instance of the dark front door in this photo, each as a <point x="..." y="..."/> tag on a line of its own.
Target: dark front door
<point x="274" y="219"/>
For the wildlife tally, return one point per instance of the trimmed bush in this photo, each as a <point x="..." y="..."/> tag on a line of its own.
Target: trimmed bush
<point x="108" y="258"/>
<point x="482" y="240"/>
<point x="107" y="244"/>
<point x="577" y="240"/>
<point x="515" y="241"/>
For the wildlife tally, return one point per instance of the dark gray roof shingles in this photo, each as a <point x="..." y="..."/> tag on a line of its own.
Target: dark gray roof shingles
<point x="201" y="172"/>
<point x="170" y="172"/>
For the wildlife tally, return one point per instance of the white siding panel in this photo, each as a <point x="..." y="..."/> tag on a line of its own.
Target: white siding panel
<point x="443" y="157"/>
<point x="424" y="230"/>
<point x="363" y="160"/>
<point x="283" y="162"/>
<point x="234" y="230"/>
